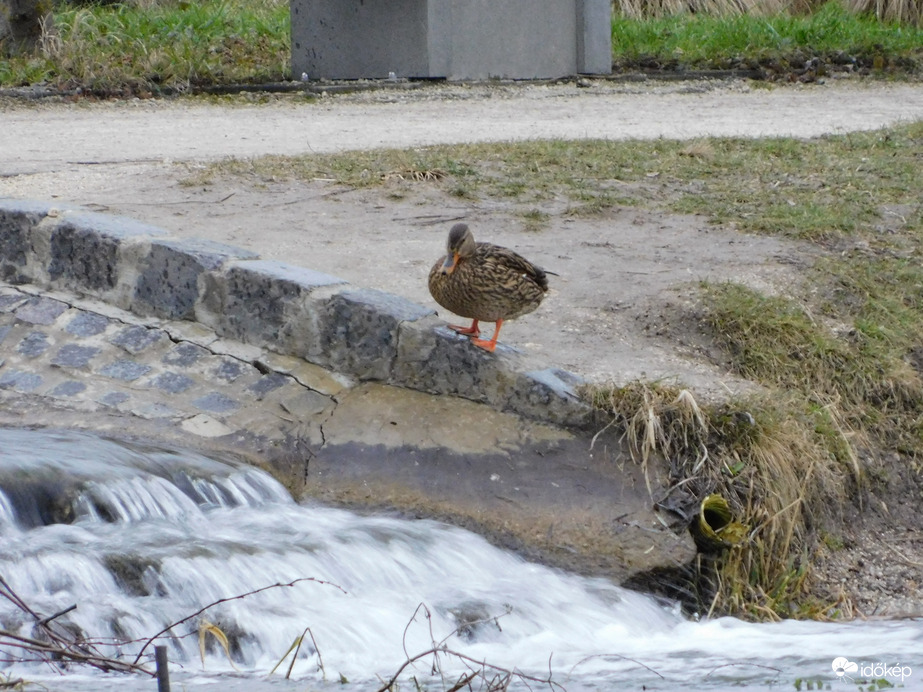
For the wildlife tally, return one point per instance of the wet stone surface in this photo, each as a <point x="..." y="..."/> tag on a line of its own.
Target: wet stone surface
<point x="136" y="339"/>
<point x="20" y="381"/>
<point x="33" y="345"/>
<point x="184" y="355"/>
<point x="41" y="311"/>
<point x="172" y="382"/>
<point x="74" y="356"/>
<point x="268" y="383"/>
<point x="127" y="370"/>
<point x="87" y="324"/>
<point x="69" y="388"/>
<point x="215" y="402"/>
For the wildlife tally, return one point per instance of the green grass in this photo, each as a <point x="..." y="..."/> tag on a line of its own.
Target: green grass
<point x="705" y="41"/>
<point x="174" y="44"/>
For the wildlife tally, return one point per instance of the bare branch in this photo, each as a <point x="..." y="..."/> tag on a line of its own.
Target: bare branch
<point x="225" y="600"/>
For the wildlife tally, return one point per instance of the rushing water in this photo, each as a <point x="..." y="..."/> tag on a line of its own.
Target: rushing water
<point x="141" y="538"/>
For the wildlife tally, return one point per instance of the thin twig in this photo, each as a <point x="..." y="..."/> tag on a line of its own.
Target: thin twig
<point x="624" y="658"/>
<point x="225" y="600"/>
<point x="65" y="611"/>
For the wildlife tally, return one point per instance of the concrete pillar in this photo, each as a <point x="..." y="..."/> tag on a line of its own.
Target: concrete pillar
<point x="451" y="39"/>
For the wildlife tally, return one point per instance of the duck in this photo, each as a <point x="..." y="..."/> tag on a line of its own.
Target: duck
<point x="486" y="283"/>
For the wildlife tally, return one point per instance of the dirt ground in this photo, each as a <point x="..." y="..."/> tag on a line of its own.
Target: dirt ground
<point x="621" y="276"/>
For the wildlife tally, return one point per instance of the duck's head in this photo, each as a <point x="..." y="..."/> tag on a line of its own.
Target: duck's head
<point x="459" y="246"/>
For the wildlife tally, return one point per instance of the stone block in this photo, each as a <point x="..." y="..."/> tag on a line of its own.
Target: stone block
<point x="172" y="382"/>
<point x="33" y="345"/>
<point x="87" y="324"/>
<point x="20" y="381"/>
<point x="74" y="356"/>
<point x="452" y="39"/>
<point x="185" y="355"/>
<point x="550" y="395"/>
<point x="216" y="402"/>
<point x="136" y="338"/>
<point x="265" y="304"/>
<point x="359" y="331"/>
<point x="125" y="370"/>
<point x="433" y="358"/>
<point x="17" y="219"/>
<point x="91" y="253"/>
<point x="44" y="311"/>
<point x="173" y="276"/>
<point x="68" y="389"/>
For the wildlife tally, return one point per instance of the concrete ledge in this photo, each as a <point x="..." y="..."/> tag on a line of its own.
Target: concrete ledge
<point x="362" y="333"/>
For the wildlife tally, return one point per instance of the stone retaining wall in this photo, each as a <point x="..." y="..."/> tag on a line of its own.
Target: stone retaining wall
<point x="366" y="334"/>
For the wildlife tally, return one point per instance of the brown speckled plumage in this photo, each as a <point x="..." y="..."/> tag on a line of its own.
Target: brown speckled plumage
<point x="485" y="282"/>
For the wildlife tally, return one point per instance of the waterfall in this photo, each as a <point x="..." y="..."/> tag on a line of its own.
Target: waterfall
<point x="140" y="538"/>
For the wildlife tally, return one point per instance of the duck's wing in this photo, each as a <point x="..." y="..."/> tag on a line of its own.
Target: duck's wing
<point x="503" y="260"/>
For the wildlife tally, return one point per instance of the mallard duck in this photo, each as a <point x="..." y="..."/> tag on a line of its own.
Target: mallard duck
<point x="485" y="282"/>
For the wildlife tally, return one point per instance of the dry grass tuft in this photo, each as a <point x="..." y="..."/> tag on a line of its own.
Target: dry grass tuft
<point x="898" y="11"/>
<point x="774" y="465"/>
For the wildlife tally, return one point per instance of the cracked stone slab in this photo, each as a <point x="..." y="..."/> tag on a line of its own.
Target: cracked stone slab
<point x="306" y="405"/>
<point x="307" y="374"/>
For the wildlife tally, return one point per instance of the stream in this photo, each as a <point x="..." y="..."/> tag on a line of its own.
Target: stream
<point x="139" y="538"/>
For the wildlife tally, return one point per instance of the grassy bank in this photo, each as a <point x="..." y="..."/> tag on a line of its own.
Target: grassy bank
<point x="143" y="47"/>
<point x="838" y="355"/>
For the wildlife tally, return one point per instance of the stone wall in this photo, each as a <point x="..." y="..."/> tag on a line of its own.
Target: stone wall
<point x="366" y="334"/>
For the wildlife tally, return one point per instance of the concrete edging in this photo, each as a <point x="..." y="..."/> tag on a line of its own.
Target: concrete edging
<point x="364" y="333"/>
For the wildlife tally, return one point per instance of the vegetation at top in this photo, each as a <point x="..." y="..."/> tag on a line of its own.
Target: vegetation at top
<point x="153" y="46"/>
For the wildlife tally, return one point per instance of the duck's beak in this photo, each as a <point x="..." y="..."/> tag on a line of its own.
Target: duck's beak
<point x="451" y="261"/>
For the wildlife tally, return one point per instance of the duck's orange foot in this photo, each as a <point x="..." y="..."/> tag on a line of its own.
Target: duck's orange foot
<point x="473" y="330"/>
<point x="485" y="344"/>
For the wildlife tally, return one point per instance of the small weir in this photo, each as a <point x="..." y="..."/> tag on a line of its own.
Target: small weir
<point x="139" y="538"/>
